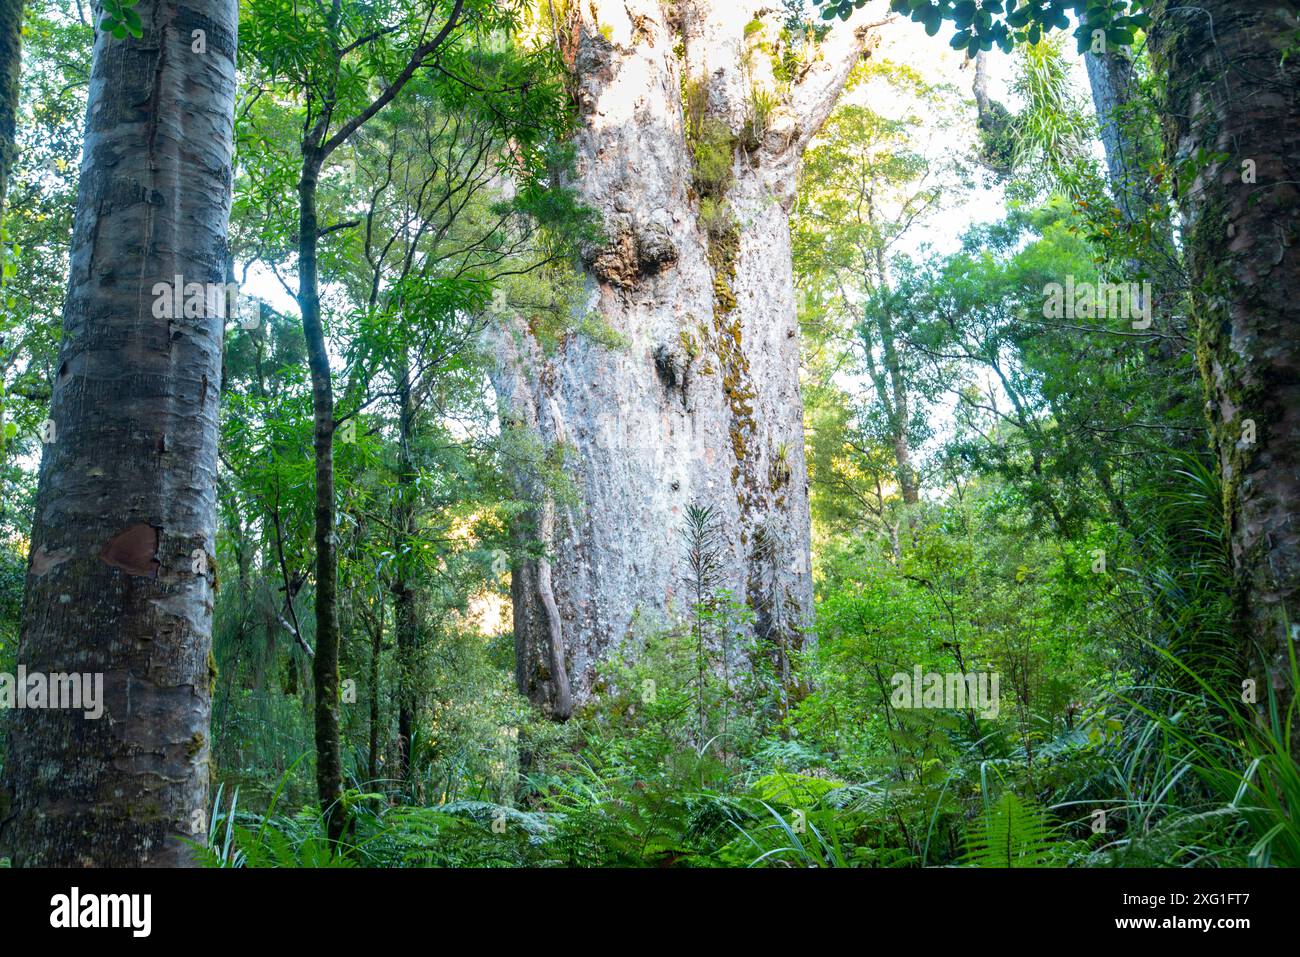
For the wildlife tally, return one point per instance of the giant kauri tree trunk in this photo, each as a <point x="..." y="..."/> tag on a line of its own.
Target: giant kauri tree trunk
<point x="689" y="149"/>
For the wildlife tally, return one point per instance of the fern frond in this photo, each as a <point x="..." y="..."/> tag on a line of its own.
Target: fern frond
<point x="1014" y="833"/>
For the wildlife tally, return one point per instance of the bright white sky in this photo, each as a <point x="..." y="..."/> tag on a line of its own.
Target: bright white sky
<point x="906" y="42"/>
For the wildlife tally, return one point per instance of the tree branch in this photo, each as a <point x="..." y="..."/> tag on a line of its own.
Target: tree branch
<point x="337" y="226"/>
<point x="418" y="56"/>
<point x="819" y="87"/>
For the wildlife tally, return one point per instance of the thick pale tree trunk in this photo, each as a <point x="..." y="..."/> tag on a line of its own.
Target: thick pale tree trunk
<point x="702" y="403"/>
<point x="120" y="578"/>
<point x="1232" y="118"/>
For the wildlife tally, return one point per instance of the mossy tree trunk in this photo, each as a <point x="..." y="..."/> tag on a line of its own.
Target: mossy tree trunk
<point x="1233" y="136"/>
<point x="121" y="572"/>
<point x="690" y="149"/>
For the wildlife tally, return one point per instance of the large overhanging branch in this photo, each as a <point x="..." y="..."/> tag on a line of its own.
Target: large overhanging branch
<point x="819" y="87"/>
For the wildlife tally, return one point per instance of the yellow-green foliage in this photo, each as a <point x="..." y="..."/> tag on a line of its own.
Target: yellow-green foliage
<point x="695" y="103"/>
<point x="713" y="154"/>
<point x="596" y="329"/>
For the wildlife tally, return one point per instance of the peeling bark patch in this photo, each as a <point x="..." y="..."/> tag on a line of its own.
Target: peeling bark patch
<point x="133" y="550"/>
<point x="44" y="562"/>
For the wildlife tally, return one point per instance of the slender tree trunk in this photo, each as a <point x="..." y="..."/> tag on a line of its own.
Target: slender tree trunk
<point x="1129" y="135"/>
<point x="980" y="85"/>
<point x="316" y="149"/>
<point x="376" y="653"/>
<point x="541" y="671"/>
<point x="11" y="44"/>
<point x="325" y="664"/>
<point x="892" y="392"/>
<point x="993" y="121"/>
<point x="121" y="571"/>
<point x="11" y="24"/>
<point x="1132" y="152"/>
<point x="893" y="387"/>
<point x="1113" y="86"/>
<point x="405" y="611"/>
<point x="703" y="403"/>
<point x="1232" y="91"/>
<point x="907" y="484"/>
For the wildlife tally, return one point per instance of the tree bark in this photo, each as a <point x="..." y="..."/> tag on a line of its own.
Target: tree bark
<point x="1131" y="155"/>
<point x="892" y="387"/>
<point x="11" y="26"/>
<point x="894" y="395"/>
<point x="993" y="121"/>
<point x="702" y="405"/>
<point x="1232" y="94"/>
<point x="376" y="656"/>
<point x="11" y="46"/>
<point x="121" y="571"/>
